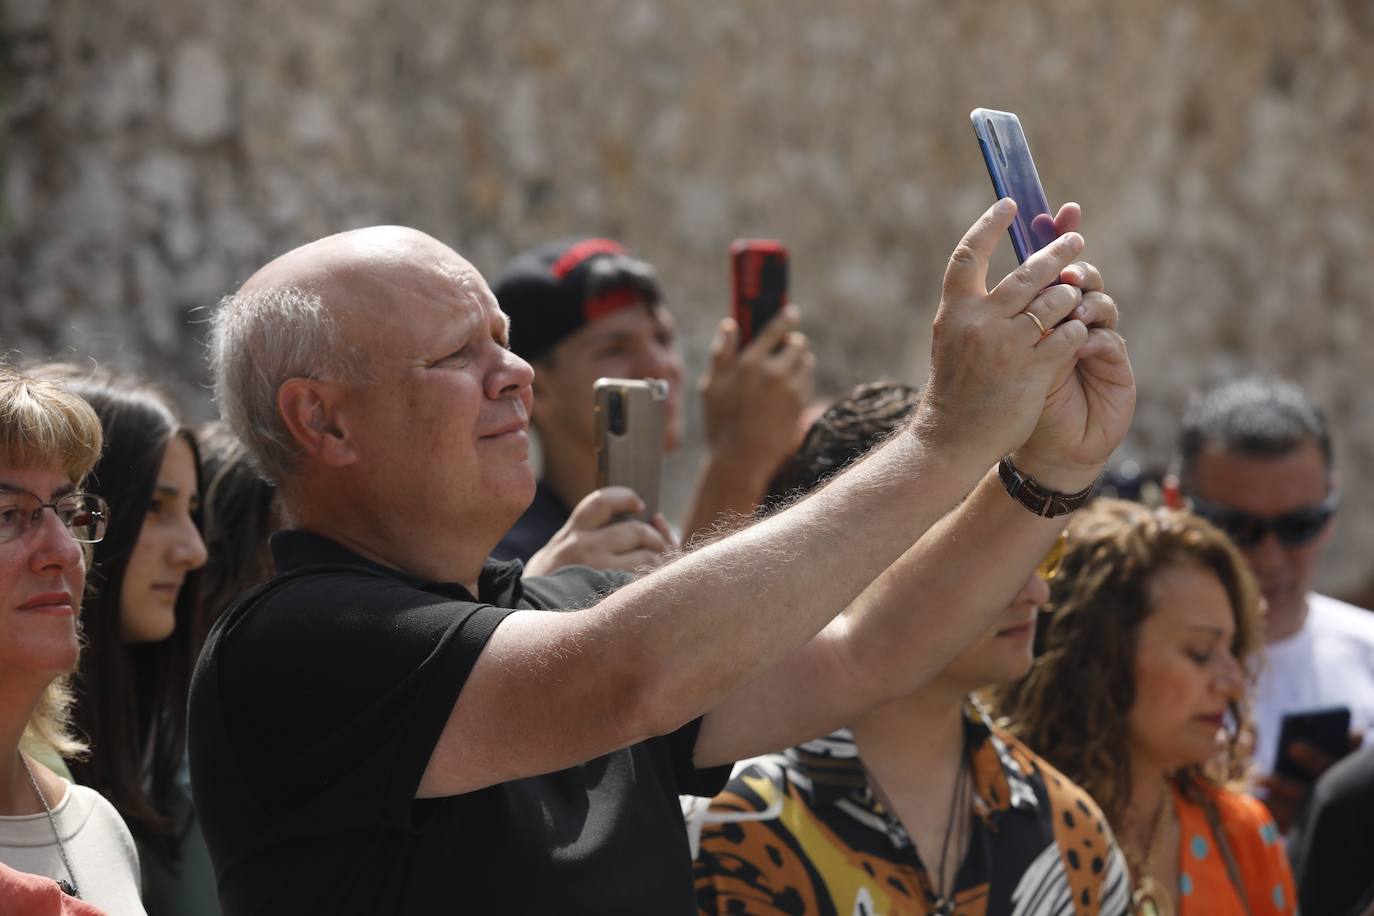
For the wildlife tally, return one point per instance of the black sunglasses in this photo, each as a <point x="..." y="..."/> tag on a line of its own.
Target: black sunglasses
<point x="1293" y="529"/>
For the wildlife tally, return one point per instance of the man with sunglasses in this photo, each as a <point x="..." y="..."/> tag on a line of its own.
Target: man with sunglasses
<point x="1255" y="459"/>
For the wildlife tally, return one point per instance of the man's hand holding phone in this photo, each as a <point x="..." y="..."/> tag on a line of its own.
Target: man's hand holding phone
<point x="754" y="390"/>
<point x="594" y="537"/>
<point x="754" y="397"/>
<point x="991" y="366"/>
<point x="1310" y="743"/>
<point x="1092" y="398"/>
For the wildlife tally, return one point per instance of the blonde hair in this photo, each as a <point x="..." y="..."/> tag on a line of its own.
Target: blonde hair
<point x="42" y="425"/>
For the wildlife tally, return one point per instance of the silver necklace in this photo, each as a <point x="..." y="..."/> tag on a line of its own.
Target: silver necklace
<point x="68" y="887"/>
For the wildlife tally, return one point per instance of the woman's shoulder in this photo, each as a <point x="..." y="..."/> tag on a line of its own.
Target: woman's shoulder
<point x="756" y="784"/>
<point x="1238" y="809"/>
<point x="97" y="821"/>
<point x="1062" y="791"/>
<point x="1241" y="806"/>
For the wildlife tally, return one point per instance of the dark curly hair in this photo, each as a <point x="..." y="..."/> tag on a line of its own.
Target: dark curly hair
<point x="1072" y="708"/>
<point x="842" y="435"/>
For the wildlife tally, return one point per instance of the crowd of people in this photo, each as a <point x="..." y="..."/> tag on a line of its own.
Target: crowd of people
<point x="341" y="652"/>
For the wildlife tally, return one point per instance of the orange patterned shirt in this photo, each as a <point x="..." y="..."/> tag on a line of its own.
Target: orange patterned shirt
<point x="802" y="833"/>
<point x="1205" y="887"/>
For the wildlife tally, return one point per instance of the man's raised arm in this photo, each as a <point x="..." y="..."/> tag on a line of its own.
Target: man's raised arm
<point x="554" y="689"/>
<point x="945" y="590"/>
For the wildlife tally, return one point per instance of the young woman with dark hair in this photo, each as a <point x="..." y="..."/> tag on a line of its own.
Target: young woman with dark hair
<point x="141" y="635"/>
<point x="240" y="513"/>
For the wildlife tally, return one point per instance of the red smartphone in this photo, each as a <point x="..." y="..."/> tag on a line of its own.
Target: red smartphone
<point x="758" y="270"/>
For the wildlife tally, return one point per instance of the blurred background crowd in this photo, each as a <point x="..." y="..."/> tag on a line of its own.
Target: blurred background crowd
<point x="155" y="154"/>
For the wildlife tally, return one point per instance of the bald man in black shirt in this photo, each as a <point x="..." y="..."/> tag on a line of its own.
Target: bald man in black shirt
<point x="396" y="724"/>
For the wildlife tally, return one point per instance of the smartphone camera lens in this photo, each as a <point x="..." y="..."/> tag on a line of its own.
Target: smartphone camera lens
<point x="615" y="405"/>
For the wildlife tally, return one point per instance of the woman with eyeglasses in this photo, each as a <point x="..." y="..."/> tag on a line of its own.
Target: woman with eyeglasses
<point x="1139" y="695"/>
<point x="49" y="827"/>
<point x="141" y="635"/>
<point x="922" y="806"/>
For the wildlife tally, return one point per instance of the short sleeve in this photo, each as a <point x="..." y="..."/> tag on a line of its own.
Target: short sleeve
<point x="682" y="746"/>
<point x="335" y="690"/>
<point x="577" y="587"/>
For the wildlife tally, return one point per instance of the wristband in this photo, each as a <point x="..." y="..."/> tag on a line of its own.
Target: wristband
<point x="1045" y="503"/>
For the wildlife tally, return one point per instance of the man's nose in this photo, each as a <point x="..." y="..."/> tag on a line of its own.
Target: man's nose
<point x="511" y="376"/>
<point x="1267" y="554"/>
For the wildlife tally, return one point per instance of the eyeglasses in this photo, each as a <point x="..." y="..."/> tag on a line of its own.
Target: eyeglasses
<point x="83" y="514"/>
<point x="1049" y="566"/>
<point x="1293" y="529"/>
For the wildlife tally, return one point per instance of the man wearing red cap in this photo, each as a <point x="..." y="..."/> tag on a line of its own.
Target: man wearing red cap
<point x="583" y="309"/>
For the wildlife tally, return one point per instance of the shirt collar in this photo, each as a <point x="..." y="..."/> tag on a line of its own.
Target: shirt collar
<point x="498" y="584"/>
<point x="834" y="773"/>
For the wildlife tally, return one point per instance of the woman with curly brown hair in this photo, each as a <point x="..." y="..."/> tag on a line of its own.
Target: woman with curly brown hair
<point x="1139" y="696"/>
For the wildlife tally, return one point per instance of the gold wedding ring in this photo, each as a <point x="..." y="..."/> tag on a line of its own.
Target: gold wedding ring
<point x="1031" y="315"/>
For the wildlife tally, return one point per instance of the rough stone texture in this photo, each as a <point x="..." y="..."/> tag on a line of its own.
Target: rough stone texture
<point x="156" y="152"/>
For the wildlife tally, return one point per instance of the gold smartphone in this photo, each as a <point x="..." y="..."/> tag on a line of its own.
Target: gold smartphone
<point x="629" y="436"/>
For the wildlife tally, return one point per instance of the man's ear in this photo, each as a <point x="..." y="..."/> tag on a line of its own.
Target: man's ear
<point x="308" y="407"/>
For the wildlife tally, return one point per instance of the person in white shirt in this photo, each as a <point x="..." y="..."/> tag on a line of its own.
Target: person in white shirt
<point x="49" y="440"/>
<point x="1255" y="459"/>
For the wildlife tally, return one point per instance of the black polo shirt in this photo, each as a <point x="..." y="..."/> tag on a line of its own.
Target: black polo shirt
<point x="314" y="708"/>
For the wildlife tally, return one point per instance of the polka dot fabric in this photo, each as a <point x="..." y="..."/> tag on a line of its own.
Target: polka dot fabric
<point x="1205" y="889"/>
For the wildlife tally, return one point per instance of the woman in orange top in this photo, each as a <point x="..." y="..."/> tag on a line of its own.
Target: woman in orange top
<point x="1139" y="696"/>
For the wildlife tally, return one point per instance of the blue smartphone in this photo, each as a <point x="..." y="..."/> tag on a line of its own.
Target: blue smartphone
<point x="1013" y="174"/>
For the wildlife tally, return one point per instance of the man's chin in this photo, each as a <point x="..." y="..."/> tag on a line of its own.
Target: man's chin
<point x="519" y="486"/>
<point x="1284" y="612"/>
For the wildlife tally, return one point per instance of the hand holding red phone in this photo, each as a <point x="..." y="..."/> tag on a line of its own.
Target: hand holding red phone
<point x="753" y="397"/>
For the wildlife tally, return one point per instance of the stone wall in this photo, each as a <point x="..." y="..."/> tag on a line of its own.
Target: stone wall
<point x="156" y="152"/>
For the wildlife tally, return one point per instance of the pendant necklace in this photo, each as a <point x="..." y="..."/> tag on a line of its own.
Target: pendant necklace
<point x="1151" y="898"/>
<point x="958" y="814"/>
<point x="941" y="898"/>
<point x="68" y="887"/>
